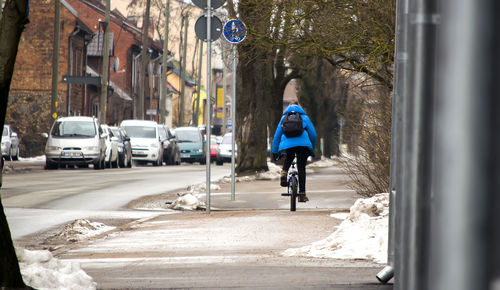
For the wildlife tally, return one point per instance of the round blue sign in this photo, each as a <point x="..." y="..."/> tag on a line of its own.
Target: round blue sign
<point x="235" y="31"/>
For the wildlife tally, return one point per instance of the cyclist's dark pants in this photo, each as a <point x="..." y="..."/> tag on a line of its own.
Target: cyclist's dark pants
<point x="302" y="153"/>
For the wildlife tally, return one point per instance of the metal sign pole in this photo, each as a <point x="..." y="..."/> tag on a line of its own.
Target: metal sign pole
<point x="233" y="120"/>
<point x="208" y="131"/>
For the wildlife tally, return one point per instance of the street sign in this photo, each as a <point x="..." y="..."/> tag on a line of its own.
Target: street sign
<point x="235" y="31"/>
<point x="201" y="28"/>
<point x="151" y="112"/>
<point x="203" y="3"/>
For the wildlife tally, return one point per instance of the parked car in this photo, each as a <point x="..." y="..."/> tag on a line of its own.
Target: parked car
<point x="145" y="140"/>
<point x="75" y="141"/>
<point x="10" y="144"/>
<point x="214" y="146"/>
<point x="224" y="153"/>
<point x="171" y="149"/>
<point x="191" y="144"/>
<point x="124" y="147"/>
<point x="111" y="159"/>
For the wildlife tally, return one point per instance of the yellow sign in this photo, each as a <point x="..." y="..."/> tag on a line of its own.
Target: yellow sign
<point x="57" y="104"/>
<point x="54" y="115"/>
<point x="220" y="102"/>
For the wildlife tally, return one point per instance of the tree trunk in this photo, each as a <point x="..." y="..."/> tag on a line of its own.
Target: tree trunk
<point x="252" y="109"/>
<point x="14" y="18"/>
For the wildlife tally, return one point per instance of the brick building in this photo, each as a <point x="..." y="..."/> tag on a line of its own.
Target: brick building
<point x="80" y="60"/>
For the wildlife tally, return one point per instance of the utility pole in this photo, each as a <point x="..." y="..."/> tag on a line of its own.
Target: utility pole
<point x="105" y="67"/>
<point x="55" y="59"/>
<point x="183" y="70"/>
<point x="164" y="80"/>
<point x="199" y="84"/>
<point x="144" y="61"/>
<point x="224" y="84"/>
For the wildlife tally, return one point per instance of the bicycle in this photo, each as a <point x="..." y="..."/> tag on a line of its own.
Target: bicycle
<point x="293" y="186"/>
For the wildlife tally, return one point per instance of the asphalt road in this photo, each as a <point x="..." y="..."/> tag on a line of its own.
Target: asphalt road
<point x="36" y="200"/>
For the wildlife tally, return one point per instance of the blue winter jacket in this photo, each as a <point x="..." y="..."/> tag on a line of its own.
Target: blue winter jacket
<point x="307" y="139"/>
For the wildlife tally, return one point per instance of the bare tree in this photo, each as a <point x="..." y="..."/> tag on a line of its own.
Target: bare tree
<point x="14" y="18"/>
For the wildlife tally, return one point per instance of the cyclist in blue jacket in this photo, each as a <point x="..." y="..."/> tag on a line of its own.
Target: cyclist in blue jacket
<point x="301" y="147"/>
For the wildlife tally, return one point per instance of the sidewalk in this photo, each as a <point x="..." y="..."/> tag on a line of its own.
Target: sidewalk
<point x="239" y="245"/>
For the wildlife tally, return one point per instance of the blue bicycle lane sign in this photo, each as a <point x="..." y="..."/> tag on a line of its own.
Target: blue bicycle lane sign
<point x="234" y="31"/>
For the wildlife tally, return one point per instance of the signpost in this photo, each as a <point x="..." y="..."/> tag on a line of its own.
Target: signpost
<point x="211" y="34"/>
<point x="235" y="32"/>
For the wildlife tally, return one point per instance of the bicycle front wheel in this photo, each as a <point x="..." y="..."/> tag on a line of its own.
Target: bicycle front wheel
<point x="293" y="194"/>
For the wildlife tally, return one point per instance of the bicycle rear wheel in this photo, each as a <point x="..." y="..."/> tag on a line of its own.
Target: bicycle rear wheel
<point x="293" y="194"/>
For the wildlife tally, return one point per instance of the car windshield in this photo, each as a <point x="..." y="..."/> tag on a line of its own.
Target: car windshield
<point x="5" y="133"/>
<point x="188" y="135"/>
<point x="226" y="139"/>
<point x="116" y="133"/>
<point x="140" y="131"/>
<point x="73" y="129"/>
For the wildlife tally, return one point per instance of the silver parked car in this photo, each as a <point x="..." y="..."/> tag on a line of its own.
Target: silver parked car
<point x="111" y="159"/>
<point x="224" y="152"/>
<point x="10" y="144"/>
<point x="75" y="141"/>
<point x="145" y="140"/>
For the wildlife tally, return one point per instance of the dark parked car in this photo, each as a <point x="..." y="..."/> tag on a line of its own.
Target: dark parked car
<point x="124" y="147"/>
<point x="171" y="149"/>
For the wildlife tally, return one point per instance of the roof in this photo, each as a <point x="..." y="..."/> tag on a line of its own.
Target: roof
<point x="117" y="90"/>
<point x="76" y="118"/>
<point x="138" y="123"/>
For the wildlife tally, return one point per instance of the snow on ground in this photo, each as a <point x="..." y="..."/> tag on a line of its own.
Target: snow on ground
<point x="82" y="229"/>
<point x="362" y="235"/>
<point x="41" y="270"/>
<point x="37" y="158"/>
<point x="322" y="163"/>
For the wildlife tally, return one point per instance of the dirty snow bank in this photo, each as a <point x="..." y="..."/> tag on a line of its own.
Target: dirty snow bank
<point x="190" y="200"/>
<point x="41" y="270"/>
<point x="81" y="229"/>
<point x="362" y="235"/>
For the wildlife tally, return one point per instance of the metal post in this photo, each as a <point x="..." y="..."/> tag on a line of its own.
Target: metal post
<point x="224" y="84"/>
<point x="464" y="152"/>
<point x="233" y="119"/>
<point x="55" y="58"/>
<point x="208" y="109"/>
<point x="396" y="225"/>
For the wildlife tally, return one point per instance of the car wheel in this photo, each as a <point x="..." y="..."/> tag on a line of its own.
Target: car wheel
<point x="219" y="161"/>
<point x="115" y="163"/>
<point x="16" y="157"/>
<point x="97" y="164"/>
<point x="50" y="165"/>
<point x="129" y="163"/>
<point x="122" y="161"/>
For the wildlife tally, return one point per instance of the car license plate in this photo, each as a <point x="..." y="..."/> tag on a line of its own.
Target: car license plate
<point x="72" y="154"/>
<point x="184" y="155"/>
<point x="137" y="152"/>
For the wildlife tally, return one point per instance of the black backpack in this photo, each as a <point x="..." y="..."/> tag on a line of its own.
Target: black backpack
<point x="292" y="124"/>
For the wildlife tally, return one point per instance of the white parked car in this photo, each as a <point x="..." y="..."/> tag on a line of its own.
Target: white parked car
<point x="111" y="141"/>
<point x="75" y="141"/>
<point x="225" y="149"/>
<point x="10" y="144"/>
<point x="145" y="140"/>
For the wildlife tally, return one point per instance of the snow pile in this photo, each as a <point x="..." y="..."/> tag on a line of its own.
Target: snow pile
<point x="362" y="235"/>
<point x="81" y="229"/>
<point x="187" y="201"/>
<point x="36" y="158"/>
<point x="322" y="163"/>
<point x="41" y="270"/>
